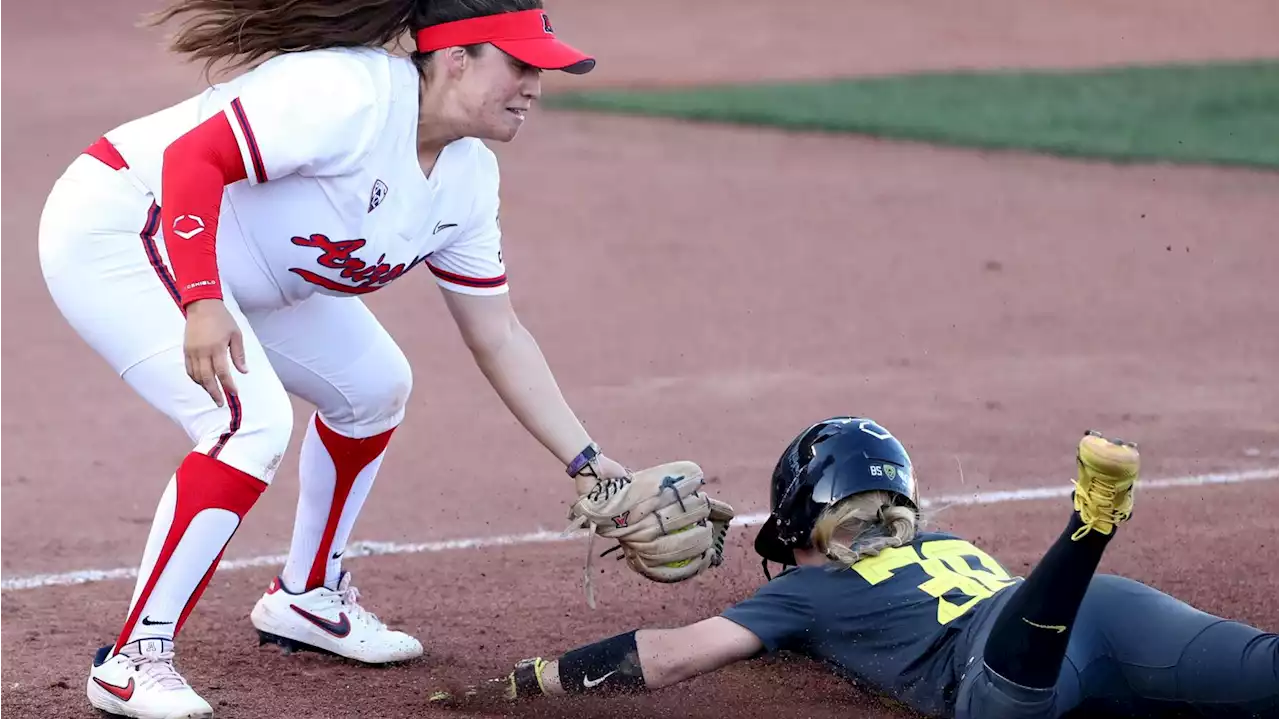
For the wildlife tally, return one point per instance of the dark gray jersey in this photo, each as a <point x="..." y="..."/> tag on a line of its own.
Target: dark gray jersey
<point x="890" y="623"/>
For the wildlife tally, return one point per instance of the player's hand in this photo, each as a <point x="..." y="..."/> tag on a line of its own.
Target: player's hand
<point x="531" y="678"/>
<point x="610" y="469"/>
<point x="212" y="335"/>
<point x="604" y="468"/>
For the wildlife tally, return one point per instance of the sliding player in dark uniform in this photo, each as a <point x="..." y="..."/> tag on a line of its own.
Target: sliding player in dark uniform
<point x="931" y="621"/>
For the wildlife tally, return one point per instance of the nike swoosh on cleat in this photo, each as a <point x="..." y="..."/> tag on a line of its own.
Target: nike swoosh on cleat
<point x="124" y="693"/>
<point x="340" y="628"/>
<point x="590" y="683"/>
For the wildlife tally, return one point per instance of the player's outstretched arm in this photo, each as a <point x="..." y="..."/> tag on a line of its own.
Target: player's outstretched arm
<point x="511" y="360"/>
<point x="668" y="528"/>
<point x="648" y="658"/>
<point x="634" y="662"/>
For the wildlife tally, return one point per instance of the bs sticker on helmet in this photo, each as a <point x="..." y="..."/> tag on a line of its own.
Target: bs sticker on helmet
<point x="883" y="470"/>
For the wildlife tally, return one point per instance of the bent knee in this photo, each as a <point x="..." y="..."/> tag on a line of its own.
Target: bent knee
<point x="254" y="437"/>
<point x="374" y="402"/>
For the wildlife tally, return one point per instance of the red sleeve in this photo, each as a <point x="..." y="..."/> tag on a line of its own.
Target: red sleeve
<point x="197" y="166"/>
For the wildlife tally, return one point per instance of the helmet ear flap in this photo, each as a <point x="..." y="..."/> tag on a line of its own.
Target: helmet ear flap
<point x="788" y="476"/>
<point x="790" y="486"/>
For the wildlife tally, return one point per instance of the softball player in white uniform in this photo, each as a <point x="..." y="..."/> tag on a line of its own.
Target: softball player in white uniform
<point x="214" y="254"/>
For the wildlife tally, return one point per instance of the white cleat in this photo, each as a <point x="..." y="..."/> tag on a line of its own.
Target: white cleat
<point x="141" y="682"/>
<point x="330" y="621"/>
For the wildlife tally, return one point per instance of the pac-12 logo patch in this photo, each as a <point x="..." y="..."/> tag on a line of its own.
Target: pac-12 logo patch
<point x="378" y="194"/>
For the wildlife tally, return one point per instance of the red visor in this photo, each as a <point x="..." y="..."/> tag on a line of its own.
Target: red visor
<point x="525" y="35"/>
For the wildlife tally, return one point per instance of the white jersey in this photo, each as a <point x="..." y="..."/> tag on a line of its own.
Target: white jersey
<point x="335" y="200"/>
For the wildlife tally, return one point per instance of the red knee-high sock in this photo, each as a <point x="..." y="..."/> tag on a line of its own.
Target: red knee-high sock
<point x="198" y="514"/>
<point x="337" y="473"/>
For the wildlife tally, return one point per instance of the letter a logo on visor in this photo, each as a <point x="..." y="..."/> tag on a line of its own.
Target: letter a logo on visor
<point x="525" y="35"/>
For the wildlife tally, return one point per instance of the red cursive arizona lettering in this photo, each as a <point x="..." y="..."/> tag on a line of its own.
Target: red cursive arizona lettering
<point x="364" y="277"/>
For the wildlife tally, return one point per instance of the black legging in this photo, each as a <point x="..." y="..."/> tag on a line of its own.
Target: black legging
<point x="1137" y="652"/>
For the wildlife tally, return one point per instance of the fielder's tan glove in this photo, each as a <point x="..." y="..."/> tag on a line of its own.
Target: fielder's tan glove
<point x="666" y="526"/>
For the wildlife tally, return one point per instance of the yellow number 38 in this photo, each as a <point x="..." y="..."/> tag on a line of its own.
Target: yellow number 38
<point x="946" y="562"/>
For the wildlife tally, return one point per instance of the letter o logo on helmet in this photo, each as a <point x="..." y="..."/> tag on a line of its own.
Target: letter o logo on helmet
<point x="874" y="429"/>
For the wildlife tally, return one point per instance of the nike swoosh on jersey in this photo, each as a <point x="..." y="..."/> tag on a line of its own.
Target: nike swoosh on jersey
<point x="340" y="628"/>
<point x="1051" y="627"/>
<point x="124" y="693"/>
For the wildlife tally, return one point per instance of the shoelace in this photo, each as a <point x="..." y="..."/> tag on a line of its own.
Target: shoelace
<point x="159" y="669"/>
<point x="1103" y="494"/>
<point x="351" y="600"/>
<point x="1099" y="493"/>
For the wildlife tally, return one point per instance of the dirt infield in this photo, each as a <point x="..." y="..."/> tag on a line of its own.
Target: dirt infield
<point x="736" y="284"/>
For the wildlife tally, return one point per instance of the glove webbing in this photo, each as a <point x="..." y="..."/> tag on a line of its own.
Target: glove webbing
<point x="717" y="538"/>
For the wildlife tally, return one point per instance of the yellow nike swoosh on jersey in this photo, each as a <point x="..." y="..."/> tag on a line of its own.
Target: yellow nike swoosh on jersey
<point x="1055" y="627"/>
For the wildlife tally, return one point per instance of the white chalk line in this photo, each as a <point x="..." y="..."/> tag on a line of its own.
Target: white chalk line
<point x="373" y="549"/>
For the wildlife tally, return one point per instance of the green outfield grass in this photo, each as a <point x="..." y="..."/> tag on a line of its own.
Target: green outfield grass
<point x="1209" y="113"/>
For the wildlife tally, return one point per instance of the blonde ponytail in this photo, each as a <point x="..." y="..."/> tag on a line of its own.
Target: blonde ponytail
<point x="863" y="525"/>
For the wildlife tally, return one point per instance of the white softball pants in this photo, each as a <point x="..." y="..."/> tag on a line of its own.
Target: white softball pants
<point x="103" y="258"/>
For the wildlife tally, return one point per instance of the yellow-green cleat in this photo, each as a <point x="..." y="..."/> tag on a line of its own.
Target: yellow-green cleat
<point x="1106" y="470"/>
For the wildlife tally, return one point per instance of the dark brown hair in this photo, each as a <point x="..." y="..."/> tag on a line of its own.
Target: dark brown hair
<point x="239" y="33"/>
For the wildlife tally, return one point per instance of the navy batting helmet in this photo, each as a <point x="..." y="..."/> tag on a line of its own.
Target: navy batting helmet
<point x="829" y="461"/>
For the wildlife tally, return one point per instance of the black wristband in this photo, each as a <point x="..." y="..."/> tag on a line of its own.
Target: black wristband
<point x="612" y="665"/>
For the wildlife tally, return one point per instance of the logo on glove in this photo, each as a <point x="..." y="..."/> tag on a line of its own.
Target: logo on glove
<point x="621" y="520"/>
